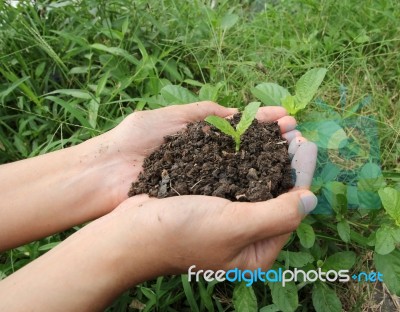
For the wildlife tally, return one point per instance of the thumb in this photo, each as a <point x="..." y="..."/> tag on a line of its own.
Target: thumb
<point x="274" y="217"/>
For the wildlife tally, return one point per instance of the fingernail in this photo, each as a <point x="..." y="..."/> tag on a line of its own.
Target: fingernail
<point x="309" y="201"/>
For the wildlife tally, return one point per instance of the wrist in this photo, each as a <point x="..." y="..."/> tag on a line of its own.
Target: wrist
<point x="126" y="251"/>
<point x="89" y="269"/>
<point x="103" y="173"/>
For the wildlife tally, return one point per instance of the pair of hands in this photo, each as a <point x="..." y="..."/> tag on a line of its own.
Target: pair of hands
<point x="210" y="232"/>
<point x="138" y="238"/>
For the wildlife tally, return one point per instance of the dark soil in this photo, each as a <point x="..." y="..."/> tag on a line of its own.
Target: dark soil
<point x="202" y="161"/>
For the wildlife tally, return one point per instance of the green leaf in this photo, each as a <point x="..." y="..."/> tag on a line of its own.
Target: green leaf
<point x="389" y="266"/>
<point x="332" y="135"/>
<point x="295" y="259"/>
<point x="40" y="69"/>
<point x="285" y="298"/>
<point x="82" y="69"/>
<point x="125" y="25"/>
<point x="229" y="20"/>
<point x="384" y="241"/>
<point x="21" y="146"/>
<point x="193" y="82"/>
<point x="330" y="172"/>
<point x="13" y="86"/>
<point x="93" y="112"/>
<point x="115" y="51"/>
<point x="244" y="299"/>
<point x="307" y="86"/>
<point x="288" y="104"/>
<point x="173" y="94"/>
<point x="270" y="93"/>
<point x="209" y="92"/>
<point x="306" y="235"/>
<point x="206" y="297"/>
<point x="370" y="180"/>
<point x="102" y="83"/>
<point x="20" y="83"/>
<point x="171" y="67"/>
<point x="222" y="125"/>
<point x="332" y="191"/>
<point x="48" y="246"/>
<point x="363" y="38"/>
<point x="343" y="229"/>
<point x="396" y="234"/>
<point x="76" y="93"/>
<point x="270" y="308"/>
<point x="149" y="294"/>
<point x="70" y="107"/>
<point x="390" y="198"/>
<point x="325" y="299"/>
<point x="247" y="118"/>
<point x="352" y="195"/>
<point x="343" y="260"/>
<point x="326" y="134"/>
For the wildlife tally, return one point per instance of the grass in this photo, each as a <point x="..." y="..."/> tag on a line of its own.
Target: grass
<point x="69" y="72"/>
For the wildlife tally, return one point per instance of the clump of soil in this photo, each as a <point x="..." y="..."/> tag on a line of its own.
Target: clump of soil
<point x="202" y="161"/>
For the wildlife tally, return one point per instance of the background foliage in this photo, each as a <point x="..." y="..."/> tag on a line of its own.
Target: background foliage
<point x="70" y="70"/>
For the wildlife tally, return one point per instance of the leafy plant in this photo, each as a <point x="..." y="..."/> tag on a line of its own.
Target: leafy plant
<point x="248" y="115"/>
<point x="391" y="202"/>
<point x="306" y="87"/>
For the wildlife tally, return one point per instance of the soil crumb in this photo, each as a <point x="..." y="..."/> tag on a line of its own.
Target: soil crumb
<point x="202" y="161"/>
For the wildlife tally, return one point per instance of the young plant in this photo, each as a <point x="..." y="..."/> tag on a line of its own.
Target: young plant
<point x="248" y="115"/>
<point x="273" y="94"/>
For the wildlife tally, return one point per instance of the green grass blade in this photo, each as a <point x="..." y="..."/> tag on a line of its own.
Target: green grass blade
<point x="69" y="107"/>
<point x="189" y="293"/>
<point x="10" y="76"/>
<point x="115" y="51"/>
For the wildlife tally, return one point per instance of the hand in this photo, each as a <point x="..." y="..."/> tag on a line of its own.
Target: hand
<point x="209" y="232"/>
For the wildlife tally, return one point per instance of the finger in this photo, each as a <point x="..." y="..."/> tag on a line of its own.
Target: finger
<point x="287" y="123"/>
<point x="278" y="216"/>
<point x="289" y="136"/>
<point x="155" y="124"/>
<point x="196" y="111"/>
<point x="270" y="113"/>
<point x="295" y="144"/>
<point x="304" y="162"/>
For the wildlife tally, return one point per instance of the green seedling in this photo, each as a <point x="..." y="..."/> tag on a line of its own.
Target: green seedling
<point x="248" y="115"/>
<point x="306" y="87"/>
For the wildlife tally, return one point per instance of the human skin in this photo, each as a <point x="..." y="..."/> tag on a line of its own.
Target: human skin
<point x="143" y="237"/>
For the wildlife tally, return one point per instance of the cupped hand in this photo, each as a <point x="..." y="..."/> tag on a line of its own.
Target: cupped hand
<point x="208" y="232"/>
